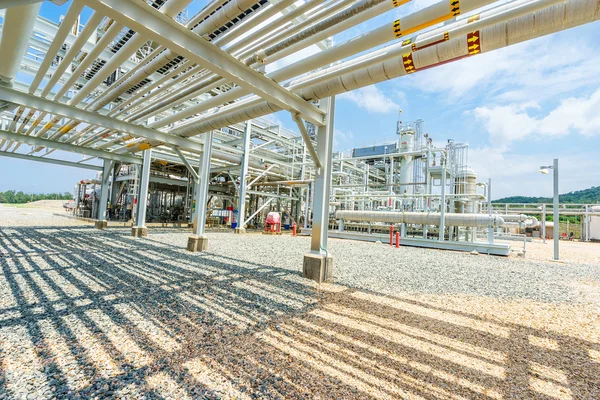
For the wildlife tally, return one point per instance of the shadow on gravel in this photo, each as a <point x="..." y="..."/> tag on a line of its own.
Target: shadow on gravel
<point x="85" y="313"/>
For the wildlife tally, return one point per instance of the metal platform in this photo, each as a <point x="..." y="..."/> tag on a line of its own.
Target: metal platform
<point x="497" y="249"/>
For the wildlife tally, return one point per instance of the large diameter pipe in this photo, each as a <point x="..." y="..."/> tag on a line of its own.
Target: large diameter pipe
<point x="421" y="218"/>
<point x="16" y="31"/>
<point x="547" y="20"/>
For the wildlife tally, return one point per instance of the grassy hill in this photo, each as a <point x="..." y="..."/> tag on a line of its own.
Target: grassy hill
<point x="587" y="196"/>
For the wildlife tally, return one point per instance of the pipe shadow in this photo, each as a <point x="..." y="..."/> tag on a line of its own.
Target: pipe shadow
<point x="86" y="313"/>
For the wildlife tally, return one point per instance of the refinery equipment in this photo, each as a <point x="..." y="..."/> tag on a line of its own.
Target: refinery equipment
<point x="169" y="107"/>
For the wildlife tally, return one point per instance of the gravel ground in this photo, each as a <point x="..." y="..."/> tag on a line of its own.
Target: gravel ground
<point x="91" y="314"/>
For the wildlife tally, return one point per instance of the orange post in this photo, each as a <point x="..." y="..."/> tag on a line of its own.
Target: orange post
<point x="294" y="228"/>
<point x="391" y="235"/>
<point x="397" y="239"/>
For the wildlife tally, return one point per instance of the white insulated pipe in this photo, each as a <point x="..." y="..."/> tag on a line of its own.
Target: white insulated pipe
<point x="421" y="218"/>
<point x="419" y="20"/>
<point x="503" y="27"/>
<point x="16" y="31"/>
<point x="531" y="222"/>
<point x="171" y="8"/>
<point x="343" y="20"/>
<point x="221" y="17"/>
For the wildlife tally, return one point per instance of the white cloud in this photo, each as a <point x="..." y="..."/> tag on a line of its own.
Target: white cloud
<point x="540" y="69"/>
<point x="513" y="122"/>
<point x="342" y="140"/>
<point x="371" y="99"/>
<point x="518" y="175"/>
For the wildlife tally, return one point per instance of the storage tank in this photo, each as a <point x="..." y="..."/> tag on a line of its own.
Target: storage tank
<point x="467" y="184"/>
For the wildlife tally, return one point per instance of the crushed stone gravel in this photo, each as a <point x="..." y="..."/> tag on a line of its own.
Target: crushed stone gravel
<point x="99" y="314"/>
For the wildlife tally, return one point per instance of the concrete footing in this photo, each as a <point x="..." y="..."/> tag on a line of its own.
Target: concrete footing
<point x="139" y="231"/>
<point x="101" y="224"/>
<point x="317" y="267"/>
<point x="239" y="230"/>
<point x="197" y="243"/>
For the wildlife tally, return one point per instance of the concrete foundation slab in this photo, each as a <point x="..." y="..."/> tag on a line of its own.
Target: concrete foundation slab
<point x="101" y="224"/>
<point x="317" y="267"/>
<point x="239" y="230"/>
<point x="139" y="231"/>
<point x="498" y="249"/>
<point x="197" y="243"/>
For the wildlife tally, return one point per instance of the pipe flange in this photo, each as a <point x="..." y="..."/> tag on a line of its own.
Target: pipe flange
<point x="261" y="56"/>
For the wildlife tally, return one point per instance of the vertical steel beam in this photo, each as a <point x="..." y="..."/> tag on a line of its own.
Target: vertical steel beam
<point x="322" y="187"/>
<point x="443" y="204"/>
<point x="490" y="228"/>
<point x="106" y="174"/>
<point x="243" y="176"/>
<point x="555" y="209"/>
<point x="143" y="190"/>
<point x="202" y="187"/>
<point x="318" y="265"/>
<point x="544" y="222"/>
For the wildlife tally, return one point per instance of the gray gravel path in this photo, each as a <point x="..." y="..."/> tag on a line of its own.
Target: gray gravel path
<point x="91" y="314"/>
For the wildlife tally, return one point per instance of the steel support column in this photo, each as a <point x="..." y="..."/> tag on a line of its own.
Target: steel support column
<point x="555" y="210"/>
<point x="106" y="174"/>
<point x="318" y="264"/>
<point x="243" y="175"/>
<point x="199" y="241"/>
<point x="491" y="228"/>
<point x="443" y="205"/>
<point x="140" y="228"/>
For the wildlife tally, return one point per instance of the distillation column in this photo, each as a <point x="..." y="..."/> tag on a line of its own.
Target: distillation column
<point x="407" y="144"/>
<point x="318" y="264"/>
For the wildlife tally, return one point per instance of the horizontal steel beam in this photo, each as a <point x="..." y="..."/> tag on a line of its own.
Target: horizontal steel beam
<point x="159" y="27"/>
<point x="37" y="141"/>
<point x="63" y="110"/>
<point x="50" y="161"/>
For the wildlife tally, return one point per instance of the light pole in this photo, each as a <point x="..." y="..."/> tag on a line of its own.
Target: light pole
<point x="556" y="218"/>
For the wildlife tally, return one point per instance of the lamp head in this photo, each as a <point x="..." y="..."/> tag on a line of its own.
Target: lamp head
<point x="544" y="170"/>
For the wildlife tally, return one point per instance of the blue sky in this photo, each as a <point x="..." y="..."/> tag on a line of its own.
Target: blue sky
<point x="518" y="108"/>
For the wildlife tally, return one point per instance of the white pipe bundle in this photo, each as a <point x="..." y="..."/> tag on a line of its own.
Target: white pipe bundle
<point x="513" y="30"/>
<point x="422" y="218"/>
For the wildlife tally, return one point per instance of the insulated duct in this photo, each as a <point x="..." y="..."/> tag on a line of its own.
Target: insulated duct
<point x="422" y="218"/>
<point x="531" y="25"/>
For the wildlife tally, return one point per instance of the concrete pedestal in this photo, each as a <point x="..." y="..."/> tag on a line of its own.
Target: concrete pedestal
<point x="139" y="231"/>
<point x="197" y="243"/>
<point x="239" y="230"/>
<point x="314" y="267"/>
<point x="101" y="224"/>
